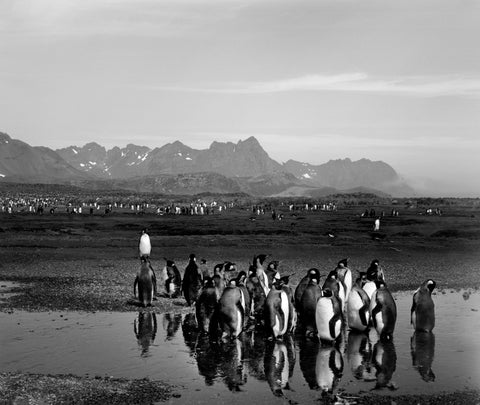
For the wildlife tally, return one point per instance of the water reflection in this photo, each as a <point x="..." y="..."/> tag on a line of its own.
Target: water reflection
<point x="422" y="345"/>
<point x="359" y="356"/>
<point x="279" y="364"/>
<point x="145" y="329"/>
<point x="308" y="349"/>
<point x="171" y="323"/>
<point x="328" y="369"/>
<point x="385" y="362"/>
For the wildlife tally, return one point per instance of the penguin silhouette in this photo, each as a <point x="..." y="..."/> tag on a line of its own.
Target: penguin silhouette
<point x="205" y="305"/>
<point x="308" y="304"/>
<point x="146" y="281"/>
<point x="423" y="309"/>
<point x="302" y="285"/>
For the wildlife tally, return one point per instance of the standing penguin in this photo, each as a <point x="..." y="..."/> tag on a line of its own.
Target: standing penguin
<point x="145" y="246"/>
<point x="145" y="280"/>
<point x="345" y="276"/>
<point x="230" y="311"/>
<point x="358" y="306"/>
<point x="328" y="316"/>
<point x="423" y="308"/>
<point x="336" y="286"/>
<point x="374" y="273"/>
<point x="272" y="272"/>
<point x="383" y="311"/>
<point x="205" y="305"/>
<point x="277" y="311"/>
<point x="302" y="285"/>
<point x="192" y="281"/>
<point x="173" y="281"/>
<point x="308" y="304"/>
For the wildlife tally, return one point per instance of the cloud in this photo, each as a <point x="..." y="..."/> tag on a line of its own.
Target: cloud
<point x="423" y="86"/>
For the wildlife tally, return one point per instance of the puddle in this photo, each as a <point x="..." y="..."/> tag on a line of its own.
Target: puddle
<point x="167" y="347"/>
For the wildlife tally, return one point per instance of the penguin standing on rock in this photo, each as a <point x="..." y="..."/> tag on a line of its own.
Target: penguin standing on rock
<point x="383" y="310"/>
<point x="423" y="308"/>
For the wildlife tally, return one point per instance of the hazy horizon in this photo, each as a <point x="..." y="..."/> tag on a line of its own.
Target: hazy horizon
<point x="396" y="81"/>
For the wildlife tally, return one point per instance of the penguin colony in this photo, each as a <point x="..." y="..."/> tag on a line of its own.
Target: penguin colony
<point x="227" y="305"/>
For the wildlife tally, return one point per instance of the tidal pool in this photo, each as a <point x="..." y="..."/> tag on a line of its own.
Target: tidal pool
<point x="167" y="347"/>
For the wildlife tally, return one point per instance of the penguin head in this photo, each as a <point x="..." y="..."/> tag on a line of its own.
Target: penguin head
<point x="314" y="275"/>
<point x="143" y="259"/>
<point x="259" y="259"/>
<point x="229" y="266"/>
<point x="343" y="263"/>
<point x="273" y="265"/>
<point x="144" y="231"/>
<point x="203" y="261"/>
<point x="218" y="268"/>
<point x="241" y="277"/>
<point x="380" y="284"/>
<point x="327" y="292"/>
<point x="362" y="279"/>
<point x="192" y="257"/>
<point x="332" y="275"/>
<point x="170" y="263"/>
<point x="430" y="285"/>
<point x="279" y="283"/>
<point x="208" y="282"/>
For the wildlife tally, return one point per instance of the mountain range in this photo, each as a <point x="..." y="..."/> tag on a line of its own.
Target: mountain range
<point x="178" y="169"/>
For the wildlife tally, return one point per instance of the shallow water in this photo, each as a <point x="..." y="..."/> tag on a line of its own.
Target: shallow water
<point x="167" y="347"/>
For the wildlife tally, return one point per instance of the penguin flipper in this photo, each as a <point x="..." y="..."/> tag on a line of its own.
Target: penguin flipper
<point x="412" y="310"/>
<point x="331" y="325"/>
<point x="362" y="313"/>
<point x="375" y="311"/>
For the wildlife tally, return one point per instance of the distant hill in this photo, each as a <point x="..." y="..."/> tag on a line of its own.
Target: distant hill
<point x="23" y="163"/>
<point x="175" y="168"/>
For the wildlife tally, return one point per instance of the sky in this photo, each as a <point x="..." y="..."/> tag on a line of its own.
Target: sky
<point x="312" y="80"/>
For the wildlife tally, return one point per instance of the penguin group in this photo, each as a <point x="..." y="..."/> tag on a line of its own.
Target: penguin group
<point x="231" y="301"/>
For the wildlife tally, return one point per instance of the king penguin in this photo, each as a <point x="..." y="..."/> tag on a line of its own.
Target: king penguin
<point x="308" y="304"/>
<point x="383" y="311"/>
<point x="145" y="281"/>
<point x="423" y="308"/>
<point x="277" y="310"/>
<point x="358" y="305"/>
<point x="328" y="316"/>
<point x="145" y="246"/>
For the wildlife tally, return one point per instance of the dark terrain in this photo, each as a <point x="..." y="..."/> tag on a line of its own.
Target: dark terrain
<point x="88" y="262"/>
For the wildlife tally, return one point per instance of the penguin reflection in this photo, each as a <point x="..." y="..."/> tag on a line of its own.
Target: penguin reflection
<point x="422" y="346"/>
<point x="171" y="323"/>
<point x="308" y="349"/>
<point x="231" y="364"/>
<point x="359" y="355"/>
<point x="385" y="362"/>
<point x="145" y="330"/>
<point x="279" y="364"/>
<point x="328" y="369"/>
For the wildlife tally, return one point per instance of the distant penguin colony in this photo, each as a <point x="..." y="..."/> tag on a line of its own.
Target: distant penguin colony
<point x="228" y="302"/>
